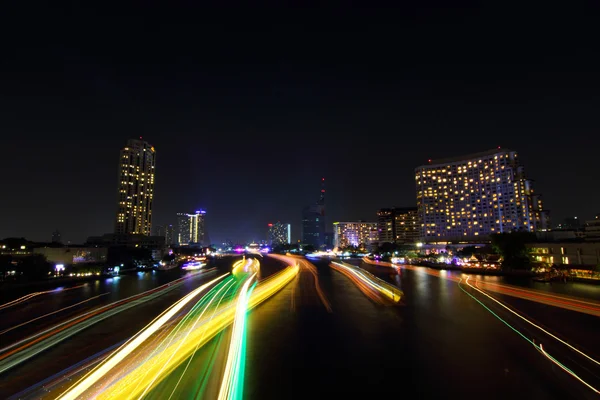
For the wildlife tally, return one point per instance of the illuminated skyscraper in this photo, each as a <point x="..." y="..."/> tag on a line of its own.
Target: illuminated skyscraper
<point x="136" y="188"/>
<point x="313" y="221"/>
<point x="279" y="233"/>
<point x="468" y="198"/>
<point x="357" y="234"/>
<point x="191" y="228"/>
<point x="169" y="235"/>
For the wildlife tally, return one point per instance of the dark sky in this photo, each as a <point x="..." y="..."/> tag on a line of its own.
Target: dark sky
<point x="249" y="108"/>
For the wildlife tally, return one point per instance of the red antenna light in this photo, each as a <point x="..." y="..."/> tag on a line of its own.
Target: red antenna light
<point x="323" y="179"/>
<point x="498" y="146"/>
<point x="270" y="224"/>
<point x="140" y="138"/>
<point x="429" y="160"/>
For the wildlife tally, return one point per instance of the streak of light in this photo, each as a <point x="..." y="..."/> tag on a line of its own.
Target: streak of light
<point x="182" y="325"/>
<point x="198" y="343"/>
<point x="32" y="295"/>
<point x="12" y="355"/>
<point x="539" y="348"/>
<point x="125" y="388"/>
<point x="181" y="342"/>
<point x="90" y="379"/>
<point x="232" y="383"/>
<point x="555" y="361"/>
<point x="315" y="274"/>
<point x="561" y="301"/>
<point x="531" y="323"/>
<point x="51" y="313"/>
<point x="369" y="284"/>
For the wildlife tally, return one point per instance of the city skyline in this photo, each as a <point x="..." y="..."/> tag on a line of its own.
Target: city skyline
<point x="299" y="112"/>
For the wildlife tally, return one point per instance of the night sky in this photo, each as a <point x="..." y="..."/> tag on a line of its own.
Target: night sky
<point x="249" y="108"/>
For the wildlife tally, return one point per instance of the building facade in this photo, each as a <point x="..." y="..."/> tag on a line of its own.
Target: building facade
<point x="592" y="229"/>
<point x="191" y="228"/>
<point x="566" y="253"/>
<point x="169" y="235"/>
<point x="386" y="225"/>
<point x="468" y="198"/>
<point x="408" y="226"/>
<point x="398" y="225"/>
<point x="136" y="188"/>
<point x="279" y="233"/>
<point x="356" y="234"/>
<point x="313" y="221"/>
<point x="73" y="255"/>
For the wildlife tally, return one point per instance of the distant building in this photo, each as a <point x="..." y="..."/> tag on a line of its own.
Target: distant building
<point x="169" y="235"/>
<point x="470" y="197"/>
<point x="16" y="247"/>
<point x="386" y="225"/>
<point x="73" y="255"/>
<point x="313" y="221"/>
<point x="398" y="225"/>
<point x="159" y="230"/>
<point x="569" y="224"/>
<point x="148" y="242"/>
<point x="56" y="237"/>
<point x="191" y="228"/>
<point x="136" y="188"/>
<point x="566" y="253"/>
<point x="357" y="234"/>
<point x="408" y="226"/>
<point x="592" y="229"/>
<point x="279" y="233"/>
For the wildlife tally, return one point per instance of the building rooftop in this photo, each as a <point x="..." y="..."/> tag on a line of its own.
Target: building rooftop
<point x="466" y="157"/>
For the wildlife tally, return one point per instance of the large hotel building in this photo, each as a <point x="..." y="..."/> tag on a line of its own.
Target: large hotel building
<point x="136" y="188"/>
<point x="468" y="198"/>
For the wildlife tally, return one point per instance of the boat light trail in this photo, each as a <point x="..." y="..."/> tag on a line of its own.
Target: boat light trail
<point x="130" y="387"/>
<point x="32" y="295"/>
<point x="23" y="350"/>
<point x="90" y="379"/>
<point x="181" y="342"/>
<point x="532" y="323"/>
<point x="539" y="348"/>
<point x="232" y="383"/>
<point x="368" y="283"/>
<point x="52" y="313"/>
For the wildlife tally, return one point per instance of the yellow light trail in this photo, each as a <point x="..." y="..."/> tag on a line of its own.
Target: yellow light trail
<point x="86" y="382"/>
<point x="183" y="340"/>
<point x="389" y="291"/>
<point x="125" y="388"/>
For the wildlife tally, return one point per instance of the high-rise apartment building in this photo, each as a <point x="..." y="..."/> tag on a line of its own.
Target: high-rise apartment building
<point x="313" y="221"/>
<point x="279" y="233"/>
<point x="408" y="226"/>
<point x="169" y="235"/>
<point x="398" y="225"/>
<point x="191" y="228"/>
<point x="357" y="234"/>
<point x="386" y="226"/>
<point x="468" y="198"/>
<point x="136" y="188"/>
